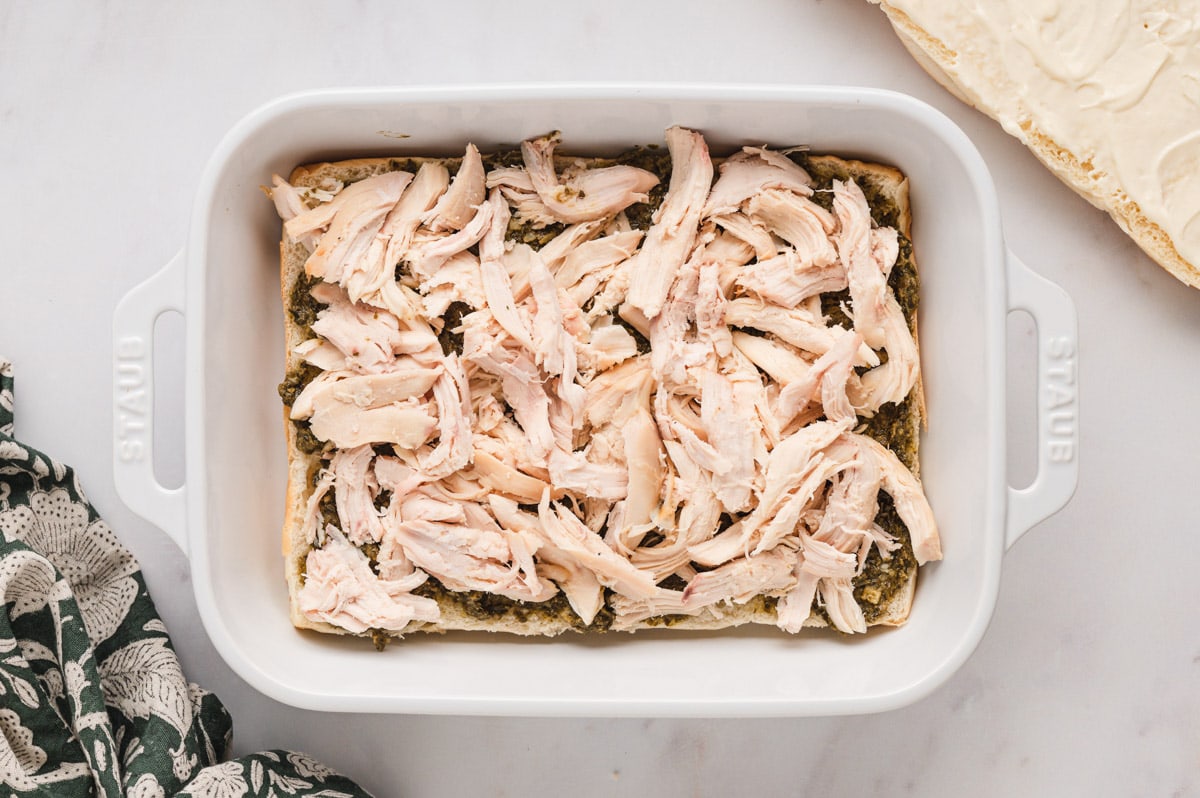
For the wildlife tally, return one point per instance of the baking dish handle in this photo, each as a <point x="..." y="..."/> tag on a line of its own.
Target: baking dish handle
<point x="133" y="400"/>
<point x="1057" y="398"/>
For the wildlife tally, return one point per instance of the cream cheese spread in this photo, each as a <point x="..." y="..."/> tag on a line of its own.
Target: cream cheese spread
<point x="1115" y="82"/>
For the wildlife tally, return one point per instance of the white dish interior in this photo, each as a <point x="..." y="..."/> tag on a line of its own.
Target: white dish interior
<point x="236" y="458"/>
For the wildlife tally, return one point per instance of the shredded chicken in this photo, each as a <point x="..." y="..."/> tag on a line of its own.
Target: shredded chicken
<point x="457" y="206"/>
<point x="341" y="589"/>
<point x="675" y="223"/>
<point x="585" y="194"/>
<point x="492" y="418"/>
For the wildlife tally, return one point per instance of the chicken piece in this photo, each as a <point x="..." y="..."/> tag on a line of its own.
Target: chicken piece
<point x="321" y="354"/>
<point x="643" y="456"/>
<point x="407" y="425"/>
<point x="507" y="442"/>
<point x="741" y="580"/>
<point x="368" y="337"/>
<point x="847" y="521"/>
<point x="377" y="269"/>
<point x="497" y="285"/>
<point x="496" y="475"/>
<point x="893" y="380"/>
<point x="418" y="340"/>
<point x="808" y="490"/>
<point x="572" y="471"/>
<point x="795" y="326"/>
<point x="289" y="204"/>
<point x="798" y="221"/>
<point x="583" y="590"/>
<point x="421" y="506"/>
<point x="314" y="525"/>
<point x="359" y="211"/>
<point x="630" y="612"/>
<point x="608" y="390"/>
<point x="457" y="280"/>
<point x="452" y="394"/>
<point x="555" y="252"/>
<point x="779" y="361"/>
<point x="711" y="329"/>
<point x="315" y="221"/>
<point x="839" y="455"/>
<point x="399" y="229"/>
<point x="396" y="476"/>
<point x="592" y="263"/>
<point x="457" y="488"/>
<point x="795" y="607"/>
<point x="584" y="194"/>
<point x="732" y="428"/>
<point x="399" y="300"/>
<point x="402" y="481"/>
<point x="613" y="296"/>
<point x="574" y="539"/>
<point x="749" y="232"/>
<point x="426" y="257"/>
<point x="868" y="288"/>
<point x="697" y="522"/>
<point x="608" y="345"/>
<point x="729" y="251"/>
<point x="517" y="189"/>
<point x="457" y="206"/>
<point x="526" y="395"/>
<point x="825" y="560"/>
<point x="748" y="173"/>
<point x="885" y="249"/>
<point x="843" y="610"/>
<point x="786" y="281"/>
<point x="673" y="346"/>
<point x="829" y="375"/>
<point x="911" y="502"/>
<point x="362" y="390"/>
<point x="340" y="589"/>
<point x="553" y="346"/>
<point x="676" y="222"/>
<point x="789" y="464"/>
<point x="465" y="557"/>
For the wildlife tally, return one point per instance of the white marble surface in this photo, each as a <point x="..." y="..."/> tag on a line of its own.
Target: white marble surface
<point x="1088" y="681"/>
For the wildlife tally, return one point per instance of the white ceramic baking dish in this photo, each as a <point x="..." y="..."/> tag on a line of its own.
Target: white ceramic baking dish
<point x="227" y="516"/>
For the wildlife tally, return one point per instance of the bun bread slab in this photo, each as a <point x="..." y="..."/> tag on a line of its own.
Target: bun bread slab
<point x="886" y="585"/>
<point x="1106" y="95"/>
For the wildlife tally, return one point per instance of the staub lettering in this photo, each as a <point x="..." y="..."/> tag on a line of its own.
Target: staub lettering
<point x="131" y="399"/>
<point x="1060" y="393"/>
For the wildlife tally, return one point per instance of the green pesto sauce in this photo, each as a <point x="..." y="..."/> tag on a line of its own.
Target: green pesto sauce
<point x="489" y="606"/>
<point x="535" y="234"/>
<point x="295" y="380"/>
<point x="657" y="162"/>
<point x="451" y="341"/>
<point x="293" y="383"/>
<point x="880" y="580"/>
<point x="502" y="158"/>
<point x="328" y="508"/>
<point x="302" y="307"/>
<point x="402" y="165"/>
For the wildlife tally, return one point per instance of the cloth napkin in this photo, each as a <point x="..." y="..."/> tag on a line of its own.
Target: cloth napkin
<point x="92" y="698"/>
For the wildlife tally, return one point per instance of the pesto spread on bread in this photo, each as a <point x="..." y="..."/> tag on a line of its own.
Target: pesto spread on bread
<point x="555" y="393"/>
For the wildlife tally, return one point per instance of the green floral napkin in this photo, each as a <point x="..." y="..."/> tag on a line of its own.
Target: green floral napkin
<point x="92" y="698"/>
